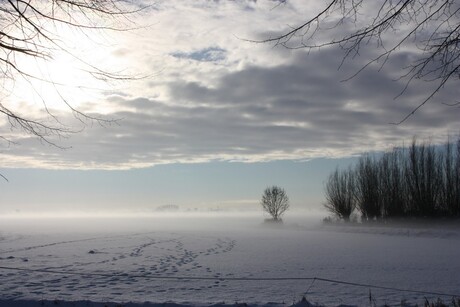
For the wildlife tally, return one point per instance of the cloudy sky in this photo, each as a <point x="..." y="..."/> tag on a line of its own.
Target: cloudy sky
<point x="214" y="118"/>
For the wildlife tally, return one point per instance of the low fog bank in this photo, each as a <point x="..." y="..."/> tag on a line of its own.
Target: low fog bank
<point x="158" y="221"/>
<point x="209" y="222"/>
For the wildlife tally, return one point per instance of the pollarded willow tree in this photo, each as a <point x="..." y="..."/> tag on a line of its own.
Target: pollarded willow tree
<point x="339" y="190"/>
<point x="426" y="31"/>
<point x="36" y="31"/>
<point x="275" y="201"/>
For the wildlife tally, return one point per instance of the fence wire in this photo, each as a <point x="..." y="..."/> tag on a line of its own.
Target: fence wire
<point x="241" y="279"/>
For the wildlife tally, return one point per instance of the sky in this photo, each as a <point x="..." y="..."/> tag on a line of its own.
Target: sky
<point x="213" y="118"/>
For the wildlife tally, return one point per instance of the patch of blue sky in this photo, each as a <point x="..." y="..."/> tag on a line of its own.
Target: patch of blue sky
<point x="211" y="54"/>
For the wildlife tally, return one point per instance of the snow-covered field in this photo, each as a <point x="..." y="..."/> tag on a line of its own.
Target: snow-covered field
<point x="215" y="260"/>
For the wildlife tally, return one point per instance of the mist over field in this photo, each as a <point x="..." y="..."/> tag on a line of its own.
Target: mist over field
<point x="209" y="258"/>
<point x="102" y="222"/>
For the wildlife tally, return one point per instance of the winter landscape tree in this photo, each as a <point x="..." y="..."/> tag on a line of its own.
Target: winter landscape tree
<point x="339" y="191"/>
<point x="421" y="180"/>
<point x="275" y="201"/>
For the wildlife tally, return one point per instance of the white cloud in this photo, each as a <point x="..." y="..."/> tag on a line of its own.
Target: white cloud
<point x="213" y="96"/>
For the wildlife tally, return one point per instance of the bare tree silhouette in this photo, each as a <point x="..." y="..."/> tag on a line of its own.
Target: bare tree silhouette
<point x="339" y="191"/>
<point x="31" y="30"/>
<point x="275" y="201"/>
<point x="429" y="28"/>
<point x="421" y="180"/>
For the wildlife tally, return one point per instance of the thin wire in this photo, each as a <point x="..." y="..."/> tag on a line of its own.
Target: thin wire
<point x="125" y="275"/>
<point x="311" y="285"/>
<point x="384" y="288"/>
<point x="162" y="277"/>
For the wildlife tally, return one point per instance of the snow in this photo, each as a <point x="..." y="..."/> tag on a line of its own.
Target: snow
<point x="129" y="262"/>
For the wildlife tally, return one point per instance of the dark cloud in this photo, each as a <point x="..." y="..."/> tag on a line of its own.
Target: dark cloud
<point x="298" y="110"/>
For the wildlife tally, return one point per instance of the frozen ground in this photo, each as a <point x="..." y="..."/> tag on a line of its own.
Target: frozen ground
<point x="162" y="260"/>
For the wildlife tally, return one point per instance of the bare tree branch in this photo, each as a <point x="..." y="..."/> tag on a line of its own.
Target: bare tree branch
<point x="431" y="26"/>
<point x="30" y="29"/>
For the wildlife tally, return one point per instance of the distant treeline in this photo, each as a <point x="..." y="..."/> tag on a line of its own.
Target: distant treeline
<point x="422" y="180"/>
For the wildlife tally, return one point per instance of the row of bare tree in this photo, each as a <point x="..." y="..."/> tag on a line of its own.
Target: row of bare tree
<point x="422" y="180"/>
